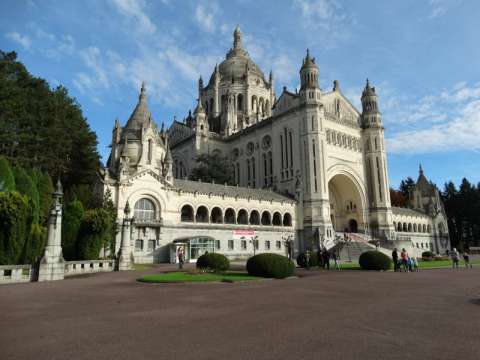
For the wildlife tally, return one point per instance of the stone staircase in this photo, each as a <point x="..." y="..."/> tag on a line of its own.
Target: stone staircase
<point x="358" y="244"/>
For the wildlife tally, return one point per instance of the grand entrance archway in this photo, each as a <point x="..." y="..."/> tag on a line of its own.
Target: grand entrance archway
<point x="346" y="204"/>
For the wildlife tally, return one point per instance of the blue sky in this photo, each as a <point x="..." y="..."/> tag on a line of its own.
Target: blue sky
<point x="422" y="55"/>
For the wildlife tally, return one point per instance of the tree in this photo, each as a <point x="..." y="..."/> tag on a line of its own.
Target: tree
<point x="72" y="217"/>
<point x="34" y="244"/>
<point x="212" y="167"/>
<point x="7" y="180"/>
<point x="15" y="222"/>
<point x="407" y="186"/>
<point x="44" y="128"/>
<point x="398" y="198"/>
<point x="45" y="189"/>
<point x="94" y="232"/>
<point x="25" y="186"/>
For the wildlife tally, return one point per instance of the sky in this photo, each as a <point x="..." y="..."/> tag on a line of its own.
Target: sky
<point x="422" y="55"/>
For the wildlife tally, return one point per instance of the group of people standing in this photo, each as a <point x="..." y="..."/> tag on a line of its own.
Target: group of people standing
<point x="323" y="256"/>
<point x="455" y="255"/>
<point x="405" y="262"/>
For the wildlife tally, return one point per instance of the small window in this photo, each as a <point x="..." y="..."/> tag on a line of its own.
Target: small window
<point x="217" y="244"/>
<point x="151" y="245"/>
<point x="256" y="244"/>
<point x="279" y="245"/>
<point x="230" y="244"/>
<point x="244" y="244"/>
<point x="138" y="245"/>
<point x="267" y="245"/>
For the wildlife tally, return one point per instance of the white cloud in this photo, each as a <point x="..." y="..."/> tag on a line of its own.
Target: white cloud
<point x="326" y="15"/>
<point x="439" y="8"/>
<point x="134" y="10"/>
<point x="440" y="123"/>
<point x="23" y="40"/>
<point x="205" y="15"/>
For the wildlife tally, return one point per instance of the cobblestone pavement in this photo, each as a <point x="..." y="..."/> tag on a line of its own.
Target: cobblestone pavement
<point x="433" y="314"/>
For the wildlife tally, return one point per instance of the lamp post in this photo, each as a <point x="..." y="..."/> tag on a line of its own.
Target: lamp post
<point x="288" y="243"/>
<point x="254" y="240"/>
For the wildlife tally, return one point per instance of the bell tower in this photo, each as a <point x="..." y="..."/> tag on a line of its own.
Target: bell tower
<point x="381" y="219"/>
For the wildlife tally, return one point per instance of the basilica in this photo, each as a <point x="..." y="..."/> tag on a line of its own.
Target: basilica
<point x="308" y="167"/>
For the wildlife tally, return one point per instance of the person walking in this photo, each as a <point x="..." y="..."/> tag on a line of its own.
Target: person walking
<point x="414" y="263"/>
<point x="395" y="259"/>
<point x="319" y="257"/>
<point x="455" y="258"/>
<point x="181" y="259"/>
<point x="335" y="260"/>
<point x="404" y="257"/>
<point x="307" y="259"/>
<point x="466" y="259"/>
<point x="326" y="258"/>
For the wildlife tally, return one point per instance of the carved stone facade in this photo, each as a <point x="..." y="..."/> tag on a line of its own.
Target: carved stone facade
<point x="309" y="157"/>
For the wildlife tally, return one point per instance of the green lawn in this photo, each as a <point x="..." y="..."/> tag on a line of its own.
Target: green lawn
<point x="179" y="277"/>
<point x="421" y="264"/>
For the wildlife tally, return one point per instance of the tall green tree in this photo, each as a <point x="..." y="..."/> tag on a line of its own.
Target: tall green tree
<point x="44" y="128"/>
<point x="212" y="167"/>
<point x="15" y="222"/>
<point x="26" y="186"/>
<point x="72" y="217"/>
<point x="7" y="180"/>
<point x="94" y="232"/>
<point x="407" y="186"/>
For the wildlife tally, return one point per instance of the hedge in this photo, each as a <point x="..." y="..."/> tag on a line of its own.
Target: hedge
<point x="25" y="185"/>
<point x="213" y="262"/>
<point x="94" y="232"/>
<point x="7" y="180"/>
<point x="72" y="218"/>
<point x="374" y="260"/>
<point x="270" y="266"/>
<point x="15" y="222"/>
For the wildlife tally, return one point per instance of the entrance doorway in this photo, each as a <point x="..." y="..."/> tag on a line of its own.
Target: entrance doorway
<point x="352" y="226"/>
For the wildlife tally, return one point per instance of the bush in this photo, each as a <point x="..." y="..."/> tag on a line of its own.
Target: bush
<point x="34" y="244"/>
<point x="302" y="261"/>
<point x="44" y="185"/>
<point x="94" y="232"/>
<point x="374" y="260"/>
<point x="270" y="266"/>
<point x="427" y="254"/>
<point x="213" y="262"/>
<point x="15" y="222"/>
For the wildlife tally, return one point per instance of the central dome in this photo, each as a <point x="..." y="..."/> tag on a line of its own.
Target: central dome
<point x="238" y="62"/>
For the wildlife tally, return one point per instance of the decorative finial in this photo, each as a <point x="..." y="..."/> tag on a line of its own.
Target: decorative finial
<point x="142" y="91"/>
<point x="237" y="38"/>
<point x="420" y="169"/>
<point x="368" y="84"/>
<point x="126" y="210"/>
<point x="336" y="85"/>
<point x="59" y="189"/>
<point x="308" y="53"/>
<point x="163" y="126"/>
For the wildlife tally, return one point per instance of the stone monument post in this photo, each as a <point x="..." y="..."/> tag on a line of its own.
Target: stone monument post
<point x="52" y="264"/>
<point x="125" y="253"/>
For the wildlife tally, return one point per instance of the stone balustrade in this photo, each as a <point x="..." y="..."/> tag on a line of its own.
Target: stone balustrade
<point x="15" y="274"/>
<point x="88" y="266"/>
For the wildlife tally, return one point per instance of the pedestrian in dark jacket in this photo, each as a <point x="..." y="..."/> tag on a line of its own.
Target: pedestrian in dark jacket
<point x="326" y="258"/>
<point x="395" y="259"/>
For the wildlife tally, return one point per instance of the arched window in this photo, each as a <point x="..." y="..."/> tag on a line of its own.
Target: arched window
<point x="267" y="108"/>
<point x="242" y="217"/>
<point x="424" y="228"/>
<point x="202" y="214"/>
<point x="229" y="216"/>
<point x="399" y="227"/>
<point x="405" y="227"/>
<point x="287" y="219"/>
<point x="428" y="229"/>
<point x="144" y="210"/>
<point x="409" y="227"/>
<point x="254" y="218"/>
<point x="266" y="218"/>
<point x="186" y="213"/>
<point x="277" y="219"/>
<point x="240" y="102"/>
<point x="414" y="227"/>
<point x="216" y="215"/>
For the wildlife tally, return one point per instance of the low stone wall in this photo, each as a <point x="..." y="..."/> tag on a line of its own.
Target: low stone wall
<point x="15" y="274"/>
<point x="88" y="266"/>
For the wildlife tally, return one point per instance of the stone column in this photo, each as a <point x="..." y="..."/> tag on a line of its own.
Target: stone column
<point x="125" y="253"/>
<point x="52" y="265"/>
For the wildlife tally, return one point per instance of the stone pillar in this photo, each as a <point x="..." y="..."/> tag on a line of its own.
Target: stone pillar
<point x="125" y="253"/>
<point x="52" y="264"/>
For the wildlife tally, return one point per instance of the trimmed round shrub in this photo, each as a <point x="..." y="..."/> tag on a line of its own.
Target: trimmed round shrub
<point x="302" y="260"/>
<point x="374" y="260"/>
<point x="213" y="262"/>
<point x="427" y="254"/>
<point x="270" y="266"/>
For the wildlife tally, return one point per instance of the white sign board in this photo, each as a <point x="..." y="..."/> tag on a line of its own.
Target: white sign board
<point x="244" y="234"/>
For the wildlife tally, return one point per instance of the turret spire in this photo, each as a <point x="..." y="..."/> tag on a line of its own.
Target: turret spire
<point x="237" y="38"/>
<point x="420" y="169"/>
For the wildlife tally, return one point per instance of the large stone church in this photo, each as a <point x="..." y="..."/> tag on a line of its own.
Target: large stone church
<point x="307" y="168"/>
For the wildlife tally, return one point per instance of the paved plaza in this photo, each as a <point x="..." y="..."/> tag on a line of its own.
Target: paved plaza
<point x="433" y="314"/>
